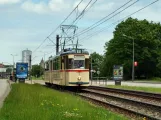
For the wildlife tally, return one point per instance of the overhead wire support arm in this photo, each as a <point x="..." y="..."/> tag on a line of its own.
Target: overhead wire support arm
<point x="83" y="11"/>
<point x="51" y="41"/>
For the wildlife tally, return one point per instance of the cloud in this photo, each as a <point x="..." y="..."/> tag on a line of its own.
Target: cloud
<point x="9" y="1"/>
<point x="39" y="8"/>
<point x="45" y="7"/>
<point x="58" y="5"/>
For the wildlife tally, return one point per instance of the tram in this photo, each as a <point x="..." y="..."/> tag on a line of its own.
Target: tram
<point x="68" y="68"/>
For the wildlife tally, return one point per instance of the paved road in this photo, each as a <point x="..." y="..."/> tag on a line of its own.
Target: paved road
<point x="4" y="90"/>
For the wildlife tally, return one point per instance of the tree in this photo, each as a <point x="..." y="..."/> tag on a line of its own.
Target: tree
<point x="147" y="43"/>
<point x="37" y="70"/>
<point x="96" y="62"/>
<point x="9" y="70"/>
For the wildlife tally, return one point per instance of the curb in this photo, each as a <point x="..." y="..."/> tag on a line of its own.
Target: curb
<point x="5" y="94"/>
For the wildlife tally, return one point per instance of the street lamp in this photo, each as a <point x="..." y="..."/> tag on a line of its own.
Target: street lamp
<point x="133" y="56"/>
<point x="13" y="65"/>
<point x="13" y="60"/>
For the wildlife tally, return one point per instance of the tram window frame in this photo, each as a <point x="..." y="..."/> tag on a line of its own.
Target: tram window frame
<point x="70" y="63"/>
<point x="57" y="64"/>
<point x="54" y="64"/>
<point x="66" y="62"/>
<point x="50" y="65"/>
<point x="86" y="63"/>
<point x="47" y="66"/>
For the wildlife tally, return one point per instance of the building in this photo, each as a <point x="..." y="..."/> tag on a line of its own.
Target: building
<point x="5" y="70"/>
<point x="26" y="56"/>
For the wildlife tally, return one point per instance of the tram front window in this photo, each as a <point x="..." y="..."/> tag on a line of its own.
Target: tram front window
<point x="79" y="64"/>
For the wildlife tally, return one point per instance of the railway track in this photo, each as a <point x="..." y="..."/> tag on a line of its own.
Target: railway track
<point x="131" y="102"/>
<point x="129" y="92"/>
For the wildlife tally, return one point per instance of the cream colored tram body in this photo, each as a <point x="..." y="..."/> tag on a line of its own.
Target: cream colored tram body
<point x="69" y="68"/>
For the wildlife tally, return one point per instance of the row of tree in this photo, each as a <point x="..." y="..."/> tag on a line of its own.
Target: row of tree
<point x="119" y="50"/>
<point x="37" y="70"/>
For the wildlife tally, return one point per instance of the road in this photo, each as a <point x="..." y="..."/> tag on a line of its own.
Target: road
<point x="4" y="90"/>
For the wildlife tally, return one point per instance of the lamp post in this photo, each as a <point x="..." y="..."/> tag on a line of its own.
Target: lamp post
<point x="133" y="69"/>
<point x="13" y="64"/>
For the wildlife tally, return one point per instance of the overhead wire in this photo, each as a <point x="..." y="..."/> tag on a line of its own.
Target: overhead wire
<point x="96" y="33"/>
<point x="86" y="11"/>
<point x="108" y="18"/>
<point x="81" y="14"/>
<point x="105" y="18"/>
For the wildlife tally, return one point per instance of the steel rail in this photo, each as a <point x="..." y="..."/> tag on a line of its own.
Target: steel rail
<point x="129" y="92"/>
<point x="118" y="107"/>
<point x="122" y="99"/>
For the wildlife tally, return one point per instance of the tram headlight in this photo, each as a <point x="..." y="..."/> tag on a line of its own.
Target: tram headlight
<point x="79" y="78"/>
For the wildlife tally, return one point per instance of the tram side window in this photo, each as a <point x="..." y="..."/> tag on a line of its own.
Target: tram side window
<point x="66" y="63"/>
<point x="70" y="63"/>
<point x="50" y="65"/>
<point x="53" y="65"/>
<point x="86" y="63"/>
<point x="56" y="64"/>
<point x="47" y="66"/>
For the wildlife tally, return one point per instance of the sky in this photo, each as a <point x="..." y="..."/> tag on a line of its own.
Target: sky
<point x="24" y="24"/>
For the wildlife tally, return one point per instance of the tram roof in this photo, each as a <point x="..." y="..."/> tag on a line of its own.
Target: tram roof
<point x="73" y="51"/>
<point x="69" y="51"/>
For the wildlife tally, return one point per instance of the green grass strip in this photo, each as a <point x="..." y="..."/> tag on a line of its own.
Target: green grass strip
<point x="35" y="102"/>
<point x="145" y="89"/>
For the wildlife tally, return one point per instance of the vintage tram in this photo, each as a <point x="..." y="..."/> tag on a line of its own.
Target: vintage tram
<point x="69" y="68"/>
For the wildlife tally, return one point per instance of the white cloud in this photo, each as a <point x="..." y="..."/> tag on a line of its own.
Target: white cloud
<point x="8" y="1"/>
<point x="105" y="7"/>
<point x="58" y="5"/>
<point x="42" y="7"/>
<point x="33" y="7"/>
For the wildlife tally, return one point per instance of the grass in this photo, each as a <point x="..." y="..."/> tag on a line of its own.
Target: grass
<point x="37" y="78"/>
<point x="157" y="79"/>
<point x="35" y="102"/>
<point x="145" y="89"/>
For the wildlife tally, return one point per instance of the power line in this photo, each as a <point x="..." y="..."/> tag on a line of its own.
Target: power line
<point x="83" y="11"/>
<point x="81" y="14"/>
<point x="95" y="33"/>
<point x="106" y="16"/>
<point x="59" y="25"/>
<point x="109" y="18"/>
<point x="86" y="11"/>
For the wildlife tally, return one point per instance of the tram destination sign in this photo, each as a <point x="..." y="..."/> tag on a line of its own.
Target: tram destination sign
<point x="118" y="72"/>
